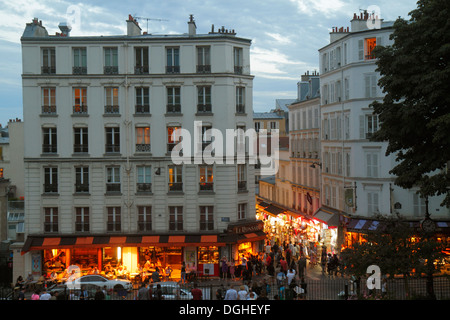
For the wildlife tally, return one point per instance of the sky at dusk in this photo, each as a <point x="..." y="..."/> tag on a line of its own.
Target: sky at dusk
<point x="286" y="34"/>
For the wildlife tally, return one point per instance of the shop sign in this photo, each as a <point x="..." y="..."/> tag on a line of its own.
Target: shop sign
<point x="251" y="227"/>
<point x="349" y="197"/>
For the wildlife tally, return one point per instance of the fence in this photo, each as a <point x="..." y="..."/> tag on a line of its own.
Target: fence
<point x="324" y="289"/>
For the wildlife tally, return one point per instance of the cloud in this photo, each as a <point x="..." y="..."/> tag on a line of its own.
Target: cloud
<point x="280" y="39"/>
<point x="312" y="7"/>
<point x="273" y="64"/>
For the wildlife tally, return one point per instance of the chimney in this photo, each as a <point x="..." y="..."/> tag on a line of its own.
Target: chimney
<point x="192" y="26"/>
<point x="133" y="28"/>
<point x="65" y="28"/>
<point x="35" y="29"/>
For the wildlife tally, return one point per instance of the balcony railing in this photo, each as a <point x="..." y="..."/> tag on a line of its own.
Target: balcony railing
<point x="113" y="187"/>
<point x="112" y="148"/>
<point x="80" y="148"/>
<point x="144" y="226"/>
<point x="240" y="108"/>
<point x="176" y="186"/>
<point x="82" y="187"/>
<point x="204" y="68"/>
<point x="114" y="226"/>
<point x="49" y="148"/>
<point x="242" y="185"/>
<point x="141" y="69"/>
<point x="82" y="226"/>
<point x="51" y="188"/>
<point x="206" y="225"/>
<point x="48" y="109"/>
<point x="48" y="70"/>
<point x="172" y="69"/>
<point x="111" y="70"/>
<point x="51" y="227"/>
<point x="80" y="109"/>
<point x="176" y="226"/>
<point x="140" y="109"/>
<point x="206" y="186"/>
<point x="144" y="187"/>
<point x="112" y="109"/>
<point x="204" y="108"/>
<point x="79" y="70"/>
<point x="238" y="69"/>
<point x="143" y="147"/>
<point x="173" y="108"/>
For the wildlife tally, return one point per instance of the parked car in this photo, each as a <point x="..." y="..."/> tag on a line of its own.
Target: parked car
<point x="99" y="281"/>
<point x="170" y="289"/>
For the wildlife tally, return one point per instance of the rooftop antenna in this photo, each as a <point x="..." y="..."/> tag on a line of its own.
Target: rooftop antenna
<point x="147" y="19"/>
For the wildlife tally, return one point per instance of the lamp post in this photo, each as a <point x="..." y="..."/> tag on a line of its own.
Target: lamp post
<point x="428" y="226"/>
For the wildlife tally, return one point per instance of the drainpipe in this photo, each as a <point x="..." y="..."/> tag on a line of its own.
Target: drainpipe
<point x="127" y="123"/>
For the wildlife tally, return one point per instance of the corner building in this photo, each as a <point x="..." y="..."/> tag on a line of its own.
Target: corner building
<point x="100" y="183"/>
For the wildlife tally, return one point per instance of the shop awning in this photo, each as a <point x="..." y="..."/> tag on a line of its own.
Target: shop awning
<point x="66" y="242"/>
<point x="274" y="210"/>
<point x="328" y="216"/>
<point x="250" y="237"/>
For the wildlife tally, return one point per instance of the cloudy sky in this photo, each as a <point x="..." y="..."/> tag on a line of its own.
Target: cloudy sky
<point x="285" y="34"/>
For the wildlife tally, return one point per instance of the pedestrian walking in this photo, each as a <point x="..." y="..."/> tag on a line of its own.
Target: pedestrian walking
<point x="231" y="294"/>
<point x="197" y="294"/>
<point x="224" y="268"/>
<point x="242" y="293"/>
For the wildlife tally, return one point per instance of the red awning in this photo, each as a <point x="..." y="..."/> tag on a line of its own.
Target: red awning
<point x="66" y="242"/>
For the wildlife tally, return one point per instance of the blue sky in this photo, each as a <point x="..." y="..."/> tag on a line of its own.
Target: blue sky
<point x="285" y="34"/>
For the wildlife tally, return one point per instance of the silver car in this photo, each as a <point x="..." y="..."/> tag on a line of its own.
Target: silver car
<point x="172" y="291"/>
<point x="99" y="281"/>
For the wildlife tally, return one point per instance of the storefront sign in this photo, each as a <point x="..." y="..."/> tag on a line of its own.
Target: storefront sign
<point x="251" y="227"/>
<point x="349" y="197"/>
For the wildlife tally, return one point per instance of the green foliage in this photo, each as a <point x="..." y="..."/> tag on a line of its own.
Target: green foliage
<point x="415" y="111"/>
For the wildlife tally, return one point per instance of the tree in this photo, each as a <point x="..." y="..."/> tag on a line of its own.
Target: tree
<point x="415" y="111"/>
<point x="397" y="249"/>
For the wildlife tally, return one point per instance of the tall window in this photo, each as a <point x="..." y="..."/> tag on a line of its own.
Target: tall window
<point x="49" y="140"/>
<point x="81" y="179"/>
<point x="242" y="211"/>
<point x="371" y="125"/>
<point x="144" y="179"/>
<point x="372" y="203"/>
<point x="80" y="140"/>
<point x="80" y="100"/>
<point x="144" y="218"/>
<point x="240" y="100"/>
<point x="113" y="179"/>
<point x="173" y="100"/>
<point x="238" y="60"/>
<point x="114" y="219"/>
<point x="206" y="218"/>
<point x="112" y="139"/>
<point x="173" y="60"/>
<point x="79" y="61"/>
<point x="141" y="60"/>
<point x="111" y="100"/>
<point x="48" y="61"/>
<point x="111" y="61"/>
<point x="82" y="219"/>
<point x="372" y="164"/>
<point x="206" y="178"/>
<point x="50" y="180"/>
<point x="242" y="177"/>
<point x="48" y="100"/>
<point x="203" y="99"/>
<point x="176" y="218"/>
<point x="51" y="219"/>
<point x="419" y="206"/>
<point x="203" y="60"/>
<point x="370" y="82"/>
<point x="142" y="100"/>
<point x="172" y="137"/>
<point x="205" y="136"/>
<point x="143" y="139"/>
<point x="175" y="178"/>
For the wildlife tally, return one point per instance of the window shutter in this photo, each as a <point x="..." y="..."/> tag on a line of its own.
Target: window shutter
<point x="361" y="49"/>
<point x="367" y="84"/>
<point x="375" y="165"/>
<point x="369" y="165"/>
<point x="373" y="85"/>
<point x="361" y="127"/>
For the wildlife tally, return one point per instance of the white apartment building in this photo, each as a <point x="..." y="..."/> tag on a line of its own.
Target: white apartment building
<point x="355" y="170"/>
<point x="100" y="183"/>
<point x="304" y="133"/>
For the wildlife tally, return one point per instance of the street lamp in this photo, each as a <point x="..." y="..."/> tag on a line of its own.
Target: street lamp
<point x="429" y="227"/>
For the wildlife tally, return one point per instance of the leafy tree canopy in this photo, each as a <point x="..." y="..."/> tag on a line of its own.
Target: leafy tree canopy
<point x="415" y="111"/>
